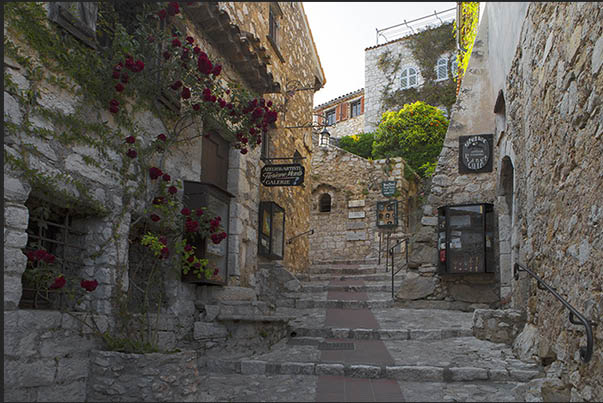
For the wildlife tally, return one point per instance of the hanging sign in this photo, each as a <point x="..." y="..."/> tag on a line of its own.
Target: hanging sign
<point x="388" y="188"/>
<point x="475" y="153"/>
<point x="282" y="175"/>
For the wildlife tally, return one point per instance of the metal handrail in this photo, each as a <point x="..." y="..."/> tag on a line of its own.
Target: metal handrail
<point x="585" y="352"/>
<point x="391" y="253"/>
<point x="435" y="13"/>
<point x="310" y="232"/>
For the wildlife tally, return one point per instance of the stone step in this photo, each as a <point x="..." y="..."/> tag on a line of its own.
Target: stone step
<point x="338" y="270"/>
<point x="322" y="277"/>
<point x="313" y="333"/>
<point x="385" y="286"/>
<point x="306" y="303"/>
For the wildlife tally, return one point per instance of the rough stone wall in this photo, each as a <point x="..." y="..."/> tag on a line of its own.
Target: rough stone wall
<point x="296" y="47"/>
<point x="448" y="187"/>
<point x="349" y="232"/>
<point x="553" y="136"/>
<point x="45" y="354"/>
<point x="347" y="127"/>
<point x="374" y="81"/>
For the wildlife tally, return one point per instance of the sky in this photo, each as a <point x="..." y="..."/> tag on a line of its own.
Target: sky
<point x="342" y="30"/>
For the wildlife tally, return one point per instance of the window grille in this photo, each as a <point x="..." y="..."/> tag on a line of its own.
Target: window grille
<point x="50" y="228"/>
<point x="355" y="109"/>
<point x="409" y="78"/>
<point x="324" y="203"/>
<point x="441" y="69"/>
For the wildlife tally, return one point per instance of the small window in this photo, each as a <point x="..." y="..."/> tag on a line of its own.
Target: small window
<point x="324" y="204"/>
<point x="50" y="229"/>
<point x="410" y="78"/>
<point x="355" y="109"/>
<point x="454" y="67"/>
<point x="441" y="69"/>
<point x="265" y="152"/>
<point x="331" y="117"/>
<point x="273" y="26"/>
<point x="77" y="18"/>
<point x="274" y="34"/>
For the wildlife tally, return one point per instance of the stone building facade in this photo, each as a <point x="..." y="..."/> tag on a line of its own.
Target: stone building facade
<point x="346" y="114"/>
<point x="345" y="194"/>
<point x="47" y="352"/>
<point x="534" y="82"/>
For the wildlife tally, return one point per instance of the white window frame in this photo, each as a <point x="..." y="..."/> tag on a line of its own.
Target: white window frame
<point x="354" y="102"/>
<point x="441" y="69"/>
<point x="406" y="76"/>
<point x="327" y="114"/>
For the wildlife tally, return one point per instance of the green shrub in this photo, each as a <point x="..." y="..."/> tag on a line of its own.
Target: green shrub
<point x="416" y="133"/>
<point x="360" y="144"/>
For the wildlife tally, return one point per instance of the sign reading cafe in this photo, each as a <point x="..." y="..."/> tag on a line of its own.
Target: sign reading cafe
<point x="282" y="175"/>
<point x="475" y="153"/>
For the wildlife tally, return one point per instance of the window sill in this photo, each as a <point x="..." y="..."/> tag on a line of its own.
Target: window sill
<point x="275" y="48"/>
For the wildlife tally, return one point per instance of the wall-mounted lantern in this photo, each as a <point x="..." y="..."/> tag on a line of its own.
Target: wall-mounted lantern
<point x="325" y="138"/>
<point x="271" y="239"/>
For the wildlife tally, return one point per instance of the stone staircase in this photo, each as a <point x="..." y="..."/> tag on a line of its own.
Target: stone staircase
<point x="344" y="327"/>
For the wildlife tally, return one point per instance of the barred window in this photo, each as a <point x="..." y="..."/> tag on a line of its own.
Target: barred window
<point x="50" y="229"/>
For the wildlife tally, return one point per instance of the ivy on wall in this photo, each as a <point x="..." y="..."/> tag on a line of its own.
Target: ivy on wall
<point x="469" y="18"/>
<point x="426" y="46"/>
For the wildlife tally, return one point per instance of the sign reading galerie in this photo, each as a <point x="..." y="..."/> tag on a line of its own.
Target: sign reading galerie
<point x="475" y="153"/>
<point x="282" y="175"/>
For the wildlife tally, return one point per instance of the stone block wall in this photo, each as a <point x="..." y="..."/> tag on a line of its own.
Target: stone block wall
<point x="374" y="81"/>
<point x="347" y="127"/>
<point x="553" y="138"/>
<point x="348" y="232"/>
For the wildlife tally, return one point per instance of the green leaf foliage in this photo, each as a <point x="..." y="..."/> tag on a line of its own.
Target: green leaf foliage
<point x="360" y="144"/>
<point x="416" y="133"/>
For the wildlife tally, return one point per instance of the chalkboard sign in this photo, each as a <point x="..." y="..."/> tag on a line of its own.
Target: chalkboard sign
<point x="282" y="175"/>
<point x="388" y="188"/>
<point x="475" y="153"/>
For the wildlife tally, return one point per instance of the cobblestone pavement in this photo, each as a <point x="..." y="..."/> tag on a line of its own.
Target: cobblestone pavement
<point x="355" y="352"/>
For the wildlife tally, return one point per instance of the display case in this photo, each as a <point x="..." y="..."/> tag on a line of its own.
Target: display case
<point x="271" y="239"/>
<point x="217" y="200"/>
<point x="466" y="239"/>
<point x="387" y="214"/>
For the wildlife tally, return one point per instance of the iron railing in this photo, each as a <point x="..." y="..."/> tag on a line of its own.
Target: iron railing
<point x="411" y="27"/>
<point x="585" y="352"/>
<point x="391" y="254"/>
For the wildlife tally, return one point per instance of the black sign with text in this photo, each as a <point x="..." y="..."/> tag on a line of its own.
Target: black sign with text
<point x="282" y="175"/>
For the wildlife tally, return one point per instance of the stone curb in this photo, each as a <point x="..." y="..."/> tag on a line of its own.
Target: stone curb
<point x="317" y="288"/>
<point x="342" y="304"/>
<point x="409" y="373"/>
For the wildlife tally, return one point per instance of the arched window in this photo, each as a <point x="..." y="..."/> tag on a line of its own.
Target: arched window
<point x="324" y="204"/>
<point x="409" y="78"/>
<point x="441" y="69"/>
<point x="454" y="67"/>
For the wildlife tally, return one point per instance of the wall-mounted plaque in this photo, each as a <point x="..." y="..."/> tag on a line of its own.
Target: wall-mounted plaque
<point x="387" y="214"/>
<point x="282" y="175"/>
<point x="475" y="153"/>
<point x="388" y="188"/>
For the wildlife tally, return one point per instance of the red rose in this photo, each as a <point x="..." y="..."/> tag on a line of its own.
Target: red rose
<point x="118" y="66"/>
<point x="243" y="151"/>
<point x="114" y="102"/>
<point x="119" y="87"/>
<point x="196" y="50"/>
<point x="89" y="285"/>
<point x="190" y="39"/>
<point x="114" y="109"/>
<point x="259" y="141"/>
<point x="186" y="93"/>
<point x="203" y="64"/>
<point x="244" y="140"/>
<point x="176" y="85"/>
<point x="172" y="190"/>
<point x="188" y="248"/>
<point x="199" y="212"/>
<point x="158" y="200"/>
<point x="166" y="177"/>
<point x="190" y="259"/>
<point x="185" y="211"/>
<point x="139" y="65"/>
<point x="124" y="77"/>
<point x="132" y="153"/>
<point x="59" y="282"/>
<point x="269" y="104"/>
<point x="176" y="43"/>
<point x="163" y="240"/>
<point x="162" y="137"/>
<point x="221" y="102"/>
<point x="165" y="252"/>
<point x="116" y="74"/>
<point x="173" y="8"/>
<point x="196" y="107"/>
<point x="130" y="139"/>
<point x="262" y="102"/>
<point x="192" y="226"/>
<point x="162" y="14"/>
<point x="155" y="172"/>
<point x="217" y="70"/>
<point x="155" y="217"/>
<point x="215" y="238"/>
